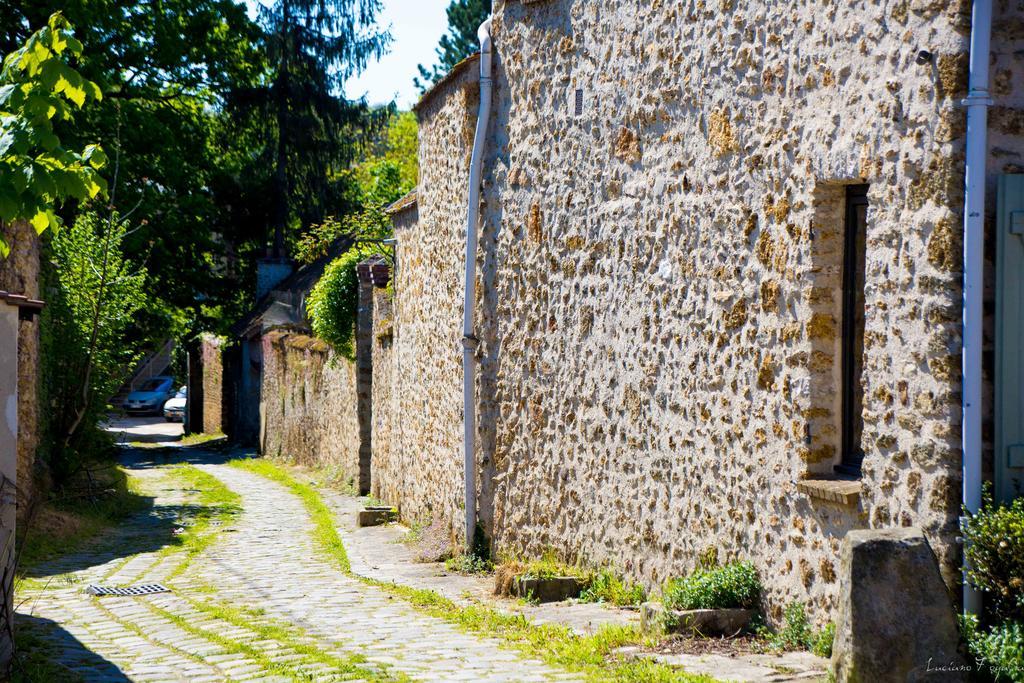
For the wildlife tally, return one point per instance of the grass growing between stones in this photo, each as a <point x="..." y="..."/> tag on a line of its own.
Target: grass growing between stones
<point x="324" y="533"/>
<point x="594" y="656"/>
<point x="216" y="505"/>
<point x="231" y="646"/>
<point x="256" y="621"/>
<point x="141" y="633"/>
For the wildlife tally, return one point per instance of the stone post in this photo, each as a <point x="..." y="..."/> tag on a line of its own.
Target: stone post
<point x="895" y="620"/>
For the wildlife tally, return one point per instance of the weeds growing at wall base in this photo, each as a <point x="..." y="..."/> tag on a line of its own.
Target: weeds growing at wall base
<point x="731" y="585"/>
<point x="593" y="656"/>
<point x="798" y="634"/>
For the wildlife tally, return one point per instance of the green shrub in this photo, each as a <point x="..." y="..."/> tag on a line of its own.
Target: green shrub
<point x="999" y="651"/>
<point x="333" y="303"/>
<point x="823" y="641"/>
<point x="607" y="586"/>
<point x="93" y="294"/>
<point x="733" y="585"/>
<point x="469" y="564"/>
<point x="796" y="632"/>
<point x="995" y="550"/>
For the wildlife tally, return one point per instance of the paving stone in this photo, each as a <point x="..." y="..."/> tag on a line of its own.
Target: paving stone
<point x="99" y="638"/>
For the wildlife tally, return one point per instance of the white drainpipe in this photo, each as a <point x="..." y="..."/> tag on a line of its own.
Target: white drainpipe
<point x="976" y="103"/>
<point x="469" y="340"/>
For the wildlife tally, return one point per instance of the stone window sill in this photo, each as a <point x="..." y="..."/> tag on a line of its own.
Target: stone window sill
<point x="840" y="491"/>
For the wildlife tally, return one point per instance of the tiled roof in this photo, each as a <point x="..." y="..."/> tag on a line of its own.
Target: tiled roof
<point x="20" y="300"/>
<point x="276" y="308"/>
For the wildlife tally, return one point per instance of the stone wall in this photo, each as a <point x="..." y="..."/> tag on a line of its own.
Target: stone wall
<point x="19" y="273"/>
<point x="661" y="269"/>
<point x="213" y="384"/>
<point x="422" y="470"/>
<point x="308" y="405"/>
<point x="660" y="277"/>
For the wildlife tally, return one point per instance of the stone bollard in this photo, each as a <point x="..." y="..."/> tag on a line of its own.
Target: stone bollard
<point x="895" y="620"/>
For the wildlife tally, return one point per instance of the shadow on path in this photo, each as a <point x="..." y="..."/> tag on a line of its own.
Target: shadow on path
<point x="217" y="453"/>
<point x="147" y="530"/>
<point x="155" y="429"/>
<point x="46" y="652"/>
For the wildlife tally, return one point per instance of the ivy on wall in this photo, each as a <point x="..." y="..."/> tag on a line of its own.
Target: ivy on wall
<point x="333" y="304"/>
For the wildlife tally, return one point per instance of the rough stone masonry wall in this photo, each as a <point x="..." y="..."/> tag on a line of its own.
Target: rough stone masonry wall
<point x="662" y="272"/>
<point x="19" y="273"/>
<point x="213" y="383"/>
<point x="308" y="405"/>
<point x="426" y="442"/>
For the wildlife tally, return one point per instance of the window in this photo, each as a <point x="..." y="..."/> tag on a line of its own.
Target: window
<point x="855" y="227"/>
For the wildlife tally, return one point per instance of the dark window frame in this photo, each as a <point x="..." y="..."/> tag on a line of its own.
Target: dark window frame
<point x="852" y="353"/>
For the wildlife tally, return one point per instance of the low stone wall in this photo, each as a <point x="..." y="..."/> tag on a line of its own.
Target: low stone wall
<point x="308" y="405"/>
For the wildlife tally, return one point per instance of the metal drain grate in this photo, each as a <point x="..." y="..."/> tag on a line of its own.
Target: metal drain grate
<point x="141" y="589"/>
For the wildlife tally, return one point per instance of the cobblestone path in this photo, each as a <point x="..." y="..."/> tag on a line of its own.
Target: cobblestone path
<point x="260" y="603"/>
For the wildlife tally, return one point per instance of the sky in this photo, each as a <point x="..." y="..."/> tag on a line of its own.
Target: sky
<point x="416" y="28"/>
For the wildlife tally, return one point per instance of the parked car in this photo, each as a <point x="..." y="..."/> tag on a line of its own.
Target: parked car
<point x="149" y="399"/>
<point x="174" y="409"/>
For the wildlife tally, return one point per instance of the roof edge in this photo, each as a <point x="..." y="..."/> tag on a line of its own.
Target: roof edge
<point x="407" y="202"/>
<point x="455" y="72"/>
<point x="20" y="300"/>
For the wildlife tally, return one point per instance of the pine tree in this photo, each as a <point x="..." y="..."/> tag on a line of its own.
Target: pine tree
<point x="464" y="18"/>
<point x="313" y="47"/>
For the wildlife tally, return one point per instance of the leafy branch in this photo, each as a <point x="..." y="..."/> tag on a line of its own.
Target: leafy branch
<point x="37" y="90"/>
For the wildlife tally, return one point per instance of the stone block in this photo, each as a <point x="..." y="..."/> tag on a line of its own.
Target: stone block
<point x="375" y="516"/>
<point x="655" y="618"/>
<point x="553" y="589"/>
<point x="895" y="618"/>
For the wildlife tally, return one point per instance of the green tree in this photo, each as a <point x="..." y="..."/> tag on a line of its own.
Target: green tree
<point x="38" y="89"/>
<point x="388" y="170"/>
<point x="313" y="46"/>
<point x="165" y="71"/>
<point x="390" y="165"/>
<point x="464" y="18"/>
<point x="93" y="295"/>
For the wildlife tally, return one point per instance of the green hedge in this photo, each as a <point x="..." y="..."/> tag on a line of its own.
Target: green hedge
<point x="732" y="585"/>
<point x="995" y="551"/>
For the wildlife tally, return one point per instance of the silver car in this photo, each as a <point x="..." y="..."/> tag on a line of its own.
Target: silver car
<point x="174" y="409"/>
